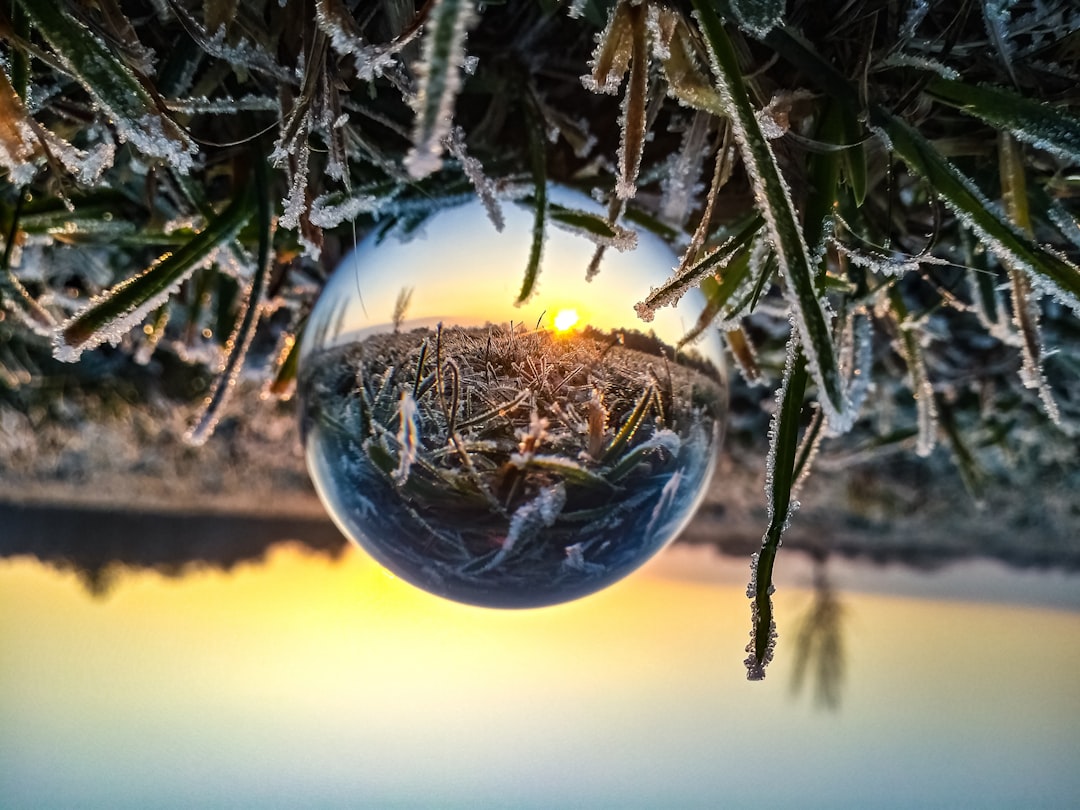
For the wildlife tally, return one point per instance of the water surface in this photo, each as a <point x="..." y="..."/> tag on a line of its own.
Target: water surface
<point x="319" y="682"/>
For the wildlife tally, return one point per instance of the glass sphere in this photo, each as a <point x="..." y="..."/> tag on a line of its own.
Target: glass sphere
<point x="505" y="455"/>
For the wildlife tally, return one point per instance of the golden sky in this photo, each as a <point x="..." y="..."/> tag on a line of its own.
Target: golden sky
<point x="307" y="682"/>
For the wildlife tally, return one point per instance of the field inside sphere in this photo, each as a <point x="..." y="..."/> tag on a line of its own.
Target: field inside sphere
<point x="502" y="455"/>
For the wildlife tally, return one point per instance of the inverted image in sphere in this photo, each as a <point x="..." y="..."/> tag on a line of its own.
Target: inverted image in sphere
<point x="500" y="454"/>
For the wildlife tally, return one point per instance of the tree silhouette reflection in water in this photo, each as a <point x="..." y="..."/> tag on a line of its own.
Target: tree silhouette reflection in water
<point x="819" y="643"/>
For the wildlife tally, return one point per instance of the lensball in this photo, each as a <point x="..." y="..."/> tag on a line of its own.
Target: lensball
<point x="500" y="454"/>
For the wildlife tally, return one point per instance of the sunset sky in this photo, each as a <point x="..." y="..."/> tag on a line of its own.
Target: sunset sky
<point x="463" y="272"/>
<point x="307" y="682"/>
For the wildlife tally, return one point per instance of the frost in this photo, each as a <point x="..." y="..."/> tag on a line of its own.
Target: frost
<point x="633" y="121"/>
<point x="620" y="238"/>
<point x="774" y="429"/>
<point x="244" y="54"/>
<point x="755" y="668"/>
<point x="474" y="170"/>
<point x="86" y="166"/>
<point x="1026" y="320"/>
<point x="223" y="105"/>
<point x="611" y="58"/>
<point x="575" y="561"/>
<point x="325" y="213"/>
<point x="666" y="499"/>
<point x="528" y="519"/>
<point x="895" y="266"/>
<point x="773" y="200"/>
<point x="862" y="359"/>
<point x="1065" y="222"/>
<point x="575" y="131"/>
<point x="922" y="389"/>
<point x="370" y="61"/>
<point x="917" y="11"/>
<point x="236" y="349"/>
<point x="296" y="201"/>
<point x="901" y="59"/>
<point x="440" y="81"/>
<point x="758" y="17"/>
<point x="672" y="291"/>
<point x="149" y="136"/>
<point x="19" y="147"/>
<point x="577" y="8"/>
<point x="680" y="182"/>
<point x="116" y="329"/>
<point x="768" y="125"/>
<point x="997" y="14"/>
<point x="408" y="437"/>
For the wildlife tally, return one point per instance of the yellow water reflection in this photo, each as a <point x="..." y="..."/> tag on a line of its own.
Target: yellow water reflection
<point x="306" y="682"/>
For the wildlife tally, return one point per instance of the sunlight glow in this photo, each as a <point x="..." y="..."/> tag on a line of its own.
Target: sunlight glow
<point x="565" y="319"/>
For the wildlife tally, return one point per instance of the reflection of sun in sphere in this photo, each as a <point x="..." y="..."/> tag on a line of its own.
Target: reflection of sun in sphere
<point x="488" y="459"/>
<point x="565" y="319"/>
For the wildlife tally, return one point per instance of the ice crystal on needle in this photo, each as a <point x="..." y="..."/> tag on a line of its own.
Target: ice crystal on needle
<point x="440" y="81"/>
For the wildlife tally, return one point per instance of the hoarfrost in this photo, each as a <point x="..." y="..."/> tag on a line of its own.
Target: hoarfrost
<point x="917" y="11"/>
<point x="575" y="561"/>
<point x="370" y="61"/>
<point x="223" y="105"/>
<point x="769" y="126"/>
<point x="86" y="166"/>
<point x="18" y="147"/>
<point x="672" y="291"/>
<point x="236" y="349"/>
<point x="774" y="430"/>
<point x="921" y="388"/>
<point x="530" y="518"/>
<point x="115" y="330"/>
<point x="620" y="238"/>
<point x="148" y="135"/>
<point x="680" y="182"/>
<point x="633" y="119"/>
<point x="611" y="58"/>
<point x="326" y="213"/>
<point x="895" y="266"/>
<point x="440" y="81"/>
<point x="997" y="14"/>
<point x="758" y="17"/>
<point x="1065" y="222"/>
<point x="862" y="360"/>
<point x="296" y="201"/>
<point x="408" y="437"/>
<point x="772" y="197"/>
<point x="902" y="59"/>
<point x="474" y="170"/>
<point x="244" y="54"/>
<point x="667" y="497"/>
<point x="1026" y="320"/>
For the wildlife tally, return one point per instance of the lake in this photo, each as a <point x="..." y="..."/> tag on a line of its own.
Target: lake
<point x="310" y="677"/>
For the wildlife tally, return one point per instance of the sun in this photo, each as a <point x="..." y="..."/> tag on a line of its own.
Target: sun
<point x="565" y="319"/>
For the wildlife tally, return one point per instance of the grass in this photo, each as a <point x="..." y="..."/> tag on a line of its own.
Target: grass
<point x="886" y="195"/>
<point x="509" y="467"/>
